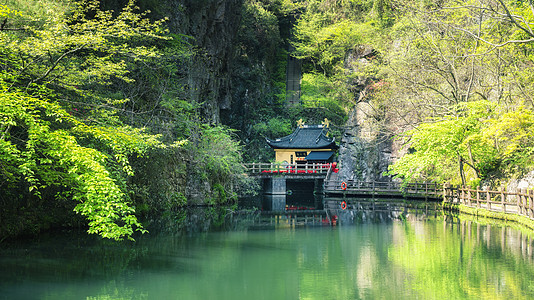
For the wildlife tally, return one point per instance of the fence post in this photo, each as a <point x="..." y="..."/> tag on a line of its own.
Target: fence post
<point x="478" y="198"/>
<point x="526" y="204"/>
<point x="530" y="200"/>
<point x="519" y="200"/>
<point x="503" y="199"/>
<point x="522" y="197"/>
<point x="524" y="201"/>
<point x="469" y="197"/>
<point x="488" y="199"/>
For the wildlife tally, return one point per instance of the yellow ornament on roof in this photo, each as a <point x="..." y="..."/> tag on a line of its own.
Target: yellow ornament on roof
<point x="300" y="123"/>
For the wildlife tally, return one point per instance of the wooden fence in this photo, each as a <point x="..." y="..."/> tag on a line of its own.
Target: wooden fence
<point x="520" y="202"/>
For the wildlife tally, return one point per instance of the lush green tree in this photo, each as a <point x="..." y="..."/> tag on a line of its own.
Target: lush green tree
<point x="479" y="142"/>
<point x="440" y="73"/>
<point x="41" y="150"/>
<point x="217" y="156"/>
<point x="446" y="61"/>
<point x="61" y="135"/>
<point x="439" y="149"/>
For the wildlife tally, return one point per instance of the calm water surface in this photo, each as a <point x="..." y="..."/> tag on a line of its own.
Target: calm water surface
<point x="420" y="258"/>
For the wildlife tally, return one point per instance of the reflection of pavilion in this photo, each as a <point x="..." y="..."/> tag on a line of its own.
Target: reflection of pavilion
<point x="307" y="144"/>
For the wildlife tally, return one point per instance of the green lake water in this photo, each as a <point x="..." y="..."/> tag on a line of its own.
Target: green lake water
<point x="433" y="257"/>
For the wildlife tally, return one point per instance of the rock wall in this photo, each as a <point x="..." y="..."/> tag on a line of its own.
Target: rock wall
<point x="526" y="182"/>
<point x="365" y="150"/>
<point x="212" y="27"/>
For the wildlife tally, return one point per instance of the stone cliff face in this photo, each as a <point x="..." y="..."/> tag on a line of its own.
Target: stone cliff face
<point x="365" y="151"/>
<point x="213" y="26"/>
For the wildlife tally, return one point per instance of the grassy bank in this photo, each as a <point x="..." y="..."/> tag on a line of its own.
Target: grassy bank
<point x="481" y="214"/>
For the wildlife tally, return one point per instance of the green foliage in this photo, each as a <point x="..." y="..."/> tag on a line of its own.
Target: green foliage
<point x="329" y="37"/>
<point x="489" y="142"/>
<point x="39" y="148"/>
<point x="459" y="73"/>
<point x="264" y="35"/>
<point x="327" y="45"/>
<point x="78" y="53"/>
<point x="219" y="194"/>
<point x="66" y="70"/>
<point x="178" y="200"/>
<point x="382" y="12"/>
<point x="216" y="159"/>
<point x="276" y="127"/>
<point x="258" y="109"/>
<point x="512" y="136"/>
<point x="319" y="91"/>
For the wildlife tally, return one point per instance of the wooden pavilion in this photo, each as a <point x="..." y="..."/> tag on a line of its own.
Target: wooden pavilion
<point x="307" y="144"/>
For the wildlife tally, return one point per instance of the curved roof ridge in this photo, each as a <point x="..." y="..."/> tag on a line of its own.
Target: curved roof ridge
<point x="305" y="137"/>
<point x="322" y="133"/>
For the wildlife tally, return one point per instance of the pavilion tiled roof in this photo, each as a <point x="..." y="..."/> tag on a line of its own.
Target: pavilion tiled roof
<point x="305" y="137"/>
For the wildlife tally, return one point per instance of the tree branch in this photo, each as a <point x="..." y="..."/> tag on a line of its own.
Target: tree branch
<point x="58" y="60"/>
<point x="423" y="85"/>
<point x="528" y="31"/>
<point x="5" y="132"/>
<point x="490" y="43"/>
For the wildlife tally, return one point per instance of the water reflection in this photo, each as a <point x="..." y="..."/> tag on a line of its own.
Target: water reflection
<point x="220" y="254"/>
<point x="464" y="259"/>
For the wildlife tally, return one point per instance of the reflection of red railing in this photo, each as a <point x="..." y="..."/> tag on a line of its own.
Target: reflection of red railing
<point x="293" y="207"/>
<point x="274" y="168"/>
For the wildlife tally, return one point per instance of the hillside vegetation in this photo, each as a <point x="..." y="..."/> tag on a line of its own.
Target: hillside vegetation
<point x="112" y="115"/>
<point x="451" y="79"/>
<point x="94" y="118"/>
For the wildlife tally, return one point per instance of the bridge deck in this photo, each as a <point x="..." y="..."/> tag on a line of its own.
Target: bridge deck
<point x="333" y="187"/>
<point x="291" y="171"/>
<point x="382" y="189"/>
